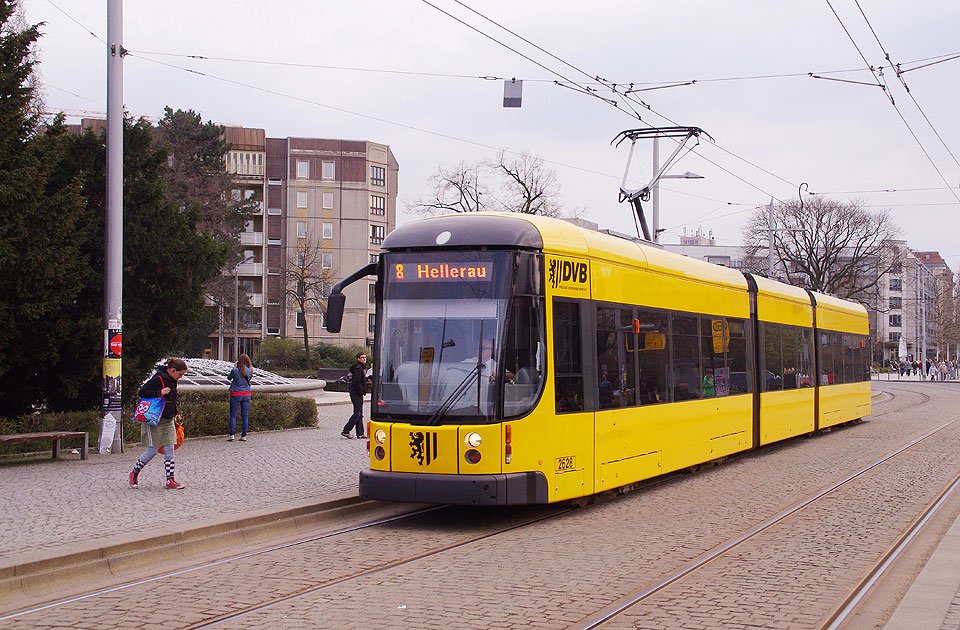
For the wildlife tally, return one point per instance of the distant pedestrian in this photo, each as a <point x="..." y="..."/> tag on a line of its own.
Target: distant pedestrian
<point x="240" y="396"/>
<point x="943" y="370"/>
<point x="163" y="383"/>
<point x="358" y="387"/>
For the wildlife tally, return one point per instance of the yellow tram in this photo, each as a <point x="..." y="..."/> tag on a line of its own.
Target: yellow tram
<point x="520" y="359"/>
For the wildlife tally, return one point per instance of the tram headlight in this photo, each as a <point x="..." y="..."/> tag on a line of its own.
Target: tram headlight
<point x="472" y="439"/>
<point x="380" y="436"/>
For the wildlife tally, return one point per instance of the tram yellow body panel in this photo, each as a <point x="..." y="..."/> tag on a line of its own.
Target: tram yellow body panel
<point x="840" y="315"/>
<point x="783" y="304"/>
<point x="637" y="443"/>
<point x="843" y="403"/>
<point x="785" y="414"/>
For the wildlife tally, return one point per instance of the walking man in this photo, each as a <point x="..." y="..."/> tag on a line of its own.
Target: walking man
<point x="358" y="387"/>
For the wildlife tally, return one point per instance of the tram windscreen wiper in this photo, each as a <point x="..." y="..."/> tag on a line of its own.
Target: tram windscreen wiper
<point x="455" y="395"/>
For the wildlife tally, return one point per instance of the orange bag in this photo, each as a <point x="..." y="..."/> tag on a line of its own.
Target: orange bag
<point x="179" y="425"/>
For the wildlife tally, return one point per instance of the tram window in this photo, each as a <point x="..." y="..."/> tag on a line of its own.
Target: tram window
<point x="523" y="356"/>
<point x="829" y="359"/>
<point x="614" y="364"/>
<point x="851" y="353"/>
<point x="652" y="358"/>
<point x="804" y="355"/>
<point x="865" y="358"/>
<point x="714" y="340"/>
<point x="687" y="375"/>
<point x="772" y="362"/>
<point x="739" y="376"/>
<point x="568" y="359"/>
<point x="789" y="355"/>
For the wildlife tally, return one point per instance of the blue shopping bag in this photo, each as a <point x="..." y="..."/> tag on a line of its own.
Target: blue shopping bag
<point x="149" y="411"/>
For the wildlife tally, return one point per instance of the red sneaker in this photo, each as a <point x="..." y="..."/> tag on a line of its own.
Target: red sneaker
<point x="173" y="485"/>
<point x="133" y="479"/>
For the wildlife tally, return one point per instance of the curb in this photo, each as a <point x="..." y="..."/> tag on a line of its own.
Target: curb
<point x="128" y="555"/>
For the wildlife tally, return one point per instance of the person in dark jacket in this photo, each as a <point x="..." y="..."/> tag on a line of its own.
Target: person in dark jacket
<point x="163" y="383"/>
<point x="358" y="387"/>
<point x="240" y="396"/>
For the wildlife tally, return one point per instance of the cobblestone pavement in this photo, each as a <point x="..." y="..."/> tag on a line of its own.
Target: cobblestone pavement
<point x="558" y="571"/>
<point x="51" y="508"/>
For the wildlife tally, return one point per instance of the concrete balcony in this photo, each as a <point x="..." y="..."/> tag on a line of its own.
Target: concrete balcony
<point x="250" y="269"/>
<point x="251" y="238"/>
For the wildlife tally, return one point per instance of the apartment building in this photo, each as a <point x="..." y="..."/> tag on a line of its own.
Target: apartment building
<point x="334" y="198"/>
<point x="911" y="302"/>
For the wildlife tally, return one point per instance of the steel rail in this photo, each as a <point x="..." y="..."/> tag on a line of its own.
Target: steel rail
<point x="616" y="608"/>
<point x="213" y="563"/>
<point x="886" y="561"/>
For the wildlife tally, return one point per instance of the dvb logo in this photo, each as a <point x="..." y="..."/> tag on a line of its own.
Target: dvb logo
<point x="567" y="271"/>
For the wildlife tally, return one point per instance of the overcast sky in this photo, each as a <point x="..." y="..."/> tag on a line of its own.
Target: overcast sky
<point x="843" y="139"/>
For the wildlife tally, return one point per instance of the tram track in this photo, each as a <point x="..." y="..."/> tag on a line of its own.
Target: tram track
<point x="841" y="612"/>
<point x="538" y="517"/>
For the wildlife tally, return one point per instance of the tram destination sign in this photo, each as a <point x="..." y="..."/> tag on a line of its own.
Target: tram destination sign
<point x="442" y="272"/>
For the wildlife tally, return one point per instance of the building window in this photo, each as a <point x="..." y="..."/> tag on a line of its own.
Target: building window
<point x="374" y="258"/>
<point x="326" y="260"/>
<point x="896" y="284"/>
<point x="301" y="199"/>
<point x="301" y="259"/>
<point x="301" y="229"/>
<point x="896" y="268"/>
<point x="326" y="289"/>
<point x="299" y="319"/>
<point x="329" y="170"/>
<point x="235" y="194"/>
<point x="372" y="293"/>
<point x="327" y="230"/>
<point x="378" y="176"/>
<point x="895" y="321"/>
<point x="378" y="204"/>
<point x="895" y="337"/>
<point x="327" y="201"/>
<point x="376" y="234"/>
<point x="896" y="302"/>
<point x="371" y="322"/>
<point x="303" y="169"/>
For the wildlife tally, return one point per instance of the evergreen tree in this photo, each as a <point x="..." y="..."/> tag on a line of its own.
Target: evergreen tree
<point x="166" y="260"/>
<point x="42" y="266"/>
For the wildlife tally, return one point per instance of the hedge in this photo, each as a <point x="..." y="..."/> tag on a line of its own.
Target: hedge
<point x="204" y="413"/>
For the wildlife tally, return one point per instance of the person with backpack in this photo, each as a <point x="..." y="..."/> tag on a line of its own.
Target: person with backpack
<point x="163" y="383"/>
<point x="240" y="396"/>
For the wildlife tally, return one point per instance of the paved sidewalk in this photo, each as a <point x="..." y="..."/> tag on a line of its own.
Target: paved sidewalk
<point x="52" y="508"/>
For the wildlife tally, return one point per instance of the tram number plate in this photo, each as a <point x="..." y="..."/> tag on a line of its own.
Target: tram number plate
<point x="566" y="463"/>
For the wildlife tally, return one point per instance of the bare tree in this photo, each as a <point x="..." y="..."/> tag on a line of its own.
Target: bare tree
<point x="454" y="190"/>
<point x="826" y="245"/>
<point x="529" y="187"/>
<point x="521" y="183"/>
<point x="307" y="282"/>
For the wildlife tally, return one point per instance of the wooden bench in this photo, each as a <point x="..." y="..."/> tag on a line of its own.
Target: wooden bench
<point x="55" y="436"/>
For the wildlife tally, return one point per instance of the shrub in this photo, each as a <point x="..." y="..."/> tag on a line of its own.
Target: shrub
<point x="281" y="353"/>
<point x="204" y="413"/>
<point x="328" y="355"/>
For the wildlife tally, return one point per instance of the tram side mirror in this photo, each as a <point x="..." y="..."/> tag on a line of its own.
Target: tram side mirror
<point x="335" y="304"/>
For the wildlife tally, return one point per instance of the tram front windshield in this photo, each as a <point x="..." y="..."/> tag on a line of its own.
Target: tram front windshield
<point x="441" y="327"/>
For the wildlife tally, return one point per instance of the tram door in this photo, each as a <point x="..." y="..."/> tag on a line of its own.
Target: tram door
<point x="573" y="425"/>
